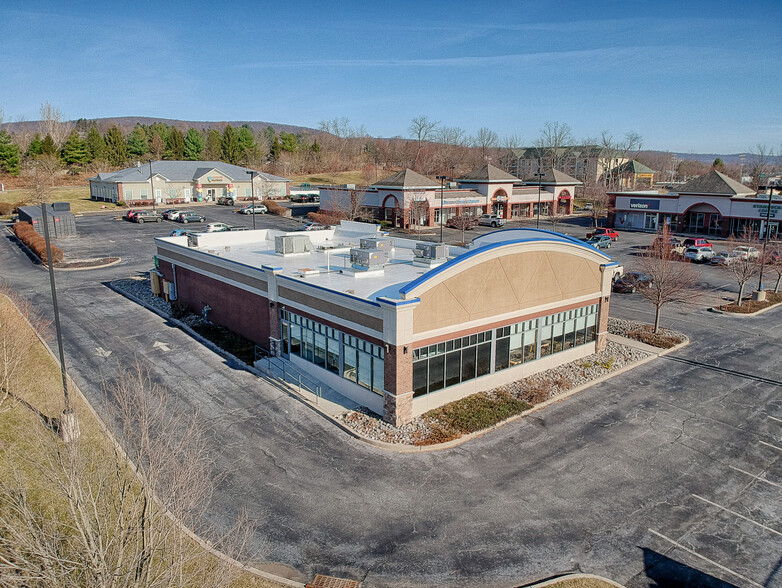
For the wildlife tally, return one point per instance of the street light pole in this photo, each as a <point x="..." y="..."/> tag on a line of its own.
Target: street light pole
<point x="442" y="199"/>
<point x="252" y="173"/>
<point x="151" y="185"/>
<point x="539" y="175"/>
<point x="69" y="427"/>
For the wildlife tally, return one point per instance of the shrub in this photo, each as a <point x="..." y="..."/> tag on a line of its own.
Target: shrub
<point x="607" y="364"/>
<point x="22" y="228"/>
<point x="326" y="218"/>
<point x="37" y="244"/>
<point x="6" y="208"/>
<point x="121" y="203"/>
<point x="535" y="391"/>
<point x="274" y="208"/>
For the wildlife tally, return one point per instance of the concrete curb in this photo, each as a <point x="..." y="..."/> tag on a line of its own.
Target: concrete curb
<point x="745" y="314"/>
<point x="107" y="432"/>
<point x="566" y="577"/>
<point x="81" y="269"/>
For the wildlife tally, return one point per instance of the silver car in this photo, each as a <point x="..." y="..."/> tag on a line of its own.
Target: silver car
<point x="699" y="254"/>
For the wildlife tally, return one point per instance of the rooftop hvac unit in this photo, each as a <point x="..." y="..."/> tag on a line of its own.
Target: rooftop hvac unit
<point x="367" y="258"/>
<point x="377" y="243"/>
<point x="453" y="184"/>
<point x="431" y="251"/>
<point x="288" y="244"/>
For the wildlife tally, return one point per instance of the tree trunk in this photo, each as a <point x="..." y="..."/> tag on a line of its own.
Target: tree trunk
<point x="741" y="294"/>
<point x="779" y="279"/>
<point x="657" y="312"/>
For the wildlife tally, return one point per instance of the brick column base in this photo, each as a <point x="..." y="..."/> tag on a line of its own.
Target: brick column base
<point x="398" y="410"/>
<point x="601" y="339"/>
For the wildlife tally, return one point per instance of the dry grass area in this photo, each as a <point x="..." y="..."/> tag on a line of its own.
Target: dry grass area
<point x="24" y="438"/>
<point x="346" y="177"/>
<point x="748" y="305"/>
<point x="648" y="336"/>
<point x="579" y="583"/>
<point x="78" y="196"/>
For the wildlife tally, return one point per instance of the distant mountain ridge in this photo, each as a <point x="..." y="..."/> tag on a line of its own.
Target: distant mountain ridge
<point x="708" y="158"/>
<point x="126" y="123"/>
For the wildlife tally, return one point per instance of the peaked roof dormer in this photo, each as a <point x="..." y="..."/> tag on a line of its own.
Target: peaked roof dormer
<point x="488" y="173"/>
<point x="406" y="178"/>
<point x="635" y="167"/>
<point x="717" y="184"/>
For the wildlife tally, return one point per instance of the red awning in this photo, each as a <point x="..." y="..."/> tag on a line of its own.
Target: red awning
<point x="565" y="197"/>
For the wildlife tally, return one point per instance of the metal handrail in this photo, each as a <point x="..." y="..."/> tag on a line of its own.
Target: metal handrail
<point x="287" y="373"/>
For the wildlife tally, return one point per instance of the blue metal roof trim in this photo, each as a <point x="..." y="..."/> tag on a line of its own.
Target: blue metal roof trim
<point x="544" y="231"/>
<point x="482" y="249"/>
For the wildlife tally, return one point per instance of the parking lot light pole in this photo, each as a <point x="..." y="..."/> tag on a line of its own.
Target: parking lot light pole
<point x="539" y="175"/>
<point x="765" y="236"/>
<point x="151" y="185"/>
<point x="442" y="200"/>
<point x="252" y="173"/>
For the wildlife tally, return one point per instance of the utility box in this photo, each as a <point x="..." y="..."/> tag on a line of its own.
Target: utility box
<point x="291" y="244"/>
<point x="62" y="223"/>
<point x="368" y="258"/>
<point x="431" y="250"/>
<point x="377" y="243"/>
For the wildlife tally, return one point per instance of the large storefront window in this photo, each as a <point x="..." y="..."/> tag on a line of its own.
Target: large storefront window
<point x="449" y="363"/>
<point x="362" y="361"/>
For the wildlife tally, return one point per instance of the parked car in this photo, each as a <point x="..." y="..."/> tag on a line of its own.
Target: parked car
<point x="227" y="200"/>
<point x="217" y="227"/>
<point x="171" y="213"/>
<point x="257" y="209"/>
<point x="697" y="242"/>
<point x="455" y="222"/>
<point x="190" y="217"/>
<point x="588" y="206"/>
<point x="725" y="258"/>
<point x="600" y="231"/>
<point x="130" y="214"/>
<point x="601" y="242"/>
<point x="313" y="227"/>
<point x="632" y="281"/>
<point x="147" y="216"/>
<point x="180" y="233"/>
<point x="747" y="252"/>
<point x="699" y="254"/>
<point x="491" y="220"/>
<point x="673" y="244"/>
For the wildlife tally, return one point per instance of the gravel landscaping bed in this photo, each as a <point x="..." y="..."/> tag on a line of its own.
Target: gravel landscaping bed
<point x="141" y="289"/>
<point x="664" y="338"/>
<point x="541" y="386"/>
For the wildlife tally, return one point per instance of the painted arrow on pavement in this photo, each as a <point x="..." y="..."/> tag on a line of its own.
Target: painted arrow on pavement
<point x="161" y="346"/>
<point x="101" y="352"/>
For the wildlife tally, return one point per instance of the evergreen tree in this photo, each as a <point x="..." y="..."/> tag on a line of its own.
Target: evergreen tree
<point x="159" y="128"/>
<point x="116" y="148"/>
<point x="274" y="149"/>
<point x="249" y="148"/>
<point x="194" y="145"/>
<point x="231" y="150"/>
<point x="315" y="147"/>
<point x="74" y="151"/>
<point x="269" y="135"/>
<point x="289" y="142"/>
<point x="9" y="155"/>
<point x="214" y="149"/>
<point x="175" y="145"/>
<point x="137" y="142"/>
<point x="96" y="146"/>
<point x="48" y="146"/>
<point x="35" y="146"/>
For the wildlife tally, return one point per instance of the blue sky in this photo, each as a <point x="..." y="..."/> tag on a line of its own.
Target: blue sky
<point x="695" y="76"/>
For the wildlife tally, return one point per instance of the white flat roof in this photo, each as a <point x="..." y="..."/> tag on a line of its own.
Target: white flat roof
<point x="328" y="264"/>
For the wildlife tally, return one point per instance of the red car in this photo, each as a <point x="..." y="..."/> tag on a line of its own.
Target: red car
<point x="697" y="242"/>
<point x="600" y="231"/>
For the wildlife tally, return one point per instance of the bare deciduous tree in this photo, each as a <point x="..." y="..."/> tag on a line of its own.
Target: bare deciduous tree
<point x="419" y="213"/>
<point x="485" y="140"/>
<point x="51" y="123"/>
<point x="422" y="129"/>
<point x="43" y="171"/>
<point x="745" y="266"/>
<point x="462" y="222"/>
<point x="555" y="214"/>
<point x="349" y="204"/>
<point x="555" y="144"/>
<point x="91" y="513"/>
<point x="760" y="162"/>
<point x="672" y="280"/>
<point x="16" y="339"/>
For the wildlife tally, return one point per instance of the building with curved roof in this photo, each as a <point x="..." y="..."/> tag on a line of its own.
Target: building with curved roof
<point x="397" y="325"/>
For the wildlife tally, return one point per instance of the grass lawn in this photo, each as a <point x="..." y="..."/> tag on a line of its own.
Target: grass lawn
<point x="78" y="196"/>
<point x="39" y="385"/>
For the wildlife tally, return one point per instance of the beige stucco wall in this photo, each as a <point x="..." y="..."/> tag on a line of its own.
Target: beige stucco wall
<point x="507" y="284"/>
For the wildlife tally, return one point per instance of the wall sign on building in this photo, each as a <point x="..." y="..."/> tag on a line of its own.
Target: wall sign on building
<point x="645" y="204"/>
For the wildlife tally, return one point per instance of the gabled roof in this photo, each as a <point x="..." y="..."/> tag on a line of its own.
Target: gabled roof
<point x="716" y="183"/>
<point x="407" y="178"/>
<point x="488" y="173"/>
<point x="183" y="171"/>
<point x="635" y="167"/>
<point x="554" y="177"/>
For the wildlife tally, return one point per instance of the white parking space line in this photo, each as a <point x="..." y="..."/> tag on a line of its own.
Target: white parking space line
<point x="741" y="516"/>
<point x="756" y="477"/>
<point x="770" y="445"/>
<point x="774" y="418"/>
<point x="706" y="559"/>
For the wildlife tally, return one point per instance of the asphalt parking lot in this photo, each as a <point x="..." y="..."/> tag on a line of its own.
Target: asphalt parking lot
<point x="669" y="474"/>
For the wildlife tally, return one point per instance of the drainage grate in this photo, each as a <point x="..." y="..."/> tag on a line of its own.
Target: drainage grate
<point x="322" y="581"/>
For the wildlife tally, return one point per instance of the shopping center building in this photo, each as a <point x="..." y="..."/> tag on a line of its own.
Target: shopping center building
<point x="179" y="182"/>
<point x="408" y="198"/>
<point x="397" y="325"/>
<point x="712" y="204"/>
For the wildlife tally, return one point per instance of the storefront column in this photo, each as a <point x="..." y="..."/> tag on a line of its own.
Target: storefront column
<point x="274" y="311"/>
<point x="398" y="359"/>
